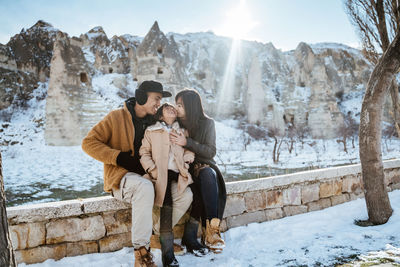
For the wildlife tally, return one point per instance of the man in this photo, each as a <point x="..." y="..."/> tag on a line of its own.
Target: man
<point x="112" y="141"/>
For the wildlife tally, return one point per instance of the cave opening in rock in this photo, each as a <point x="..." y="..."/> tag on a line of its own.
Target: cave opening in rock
<point x="84" y="77"/>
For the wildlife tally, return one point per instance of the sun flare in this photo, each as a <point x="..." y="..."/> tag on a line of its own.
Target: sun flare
<point x="238" y="22"/>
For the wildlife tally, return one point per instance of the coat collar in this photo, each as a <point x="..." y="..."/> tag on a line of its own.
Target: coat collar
<point x="160" y="126"/>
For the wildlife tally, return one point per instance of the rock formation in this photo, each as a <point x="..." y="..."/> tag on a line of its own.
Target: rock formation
<point x="308" y="86"/>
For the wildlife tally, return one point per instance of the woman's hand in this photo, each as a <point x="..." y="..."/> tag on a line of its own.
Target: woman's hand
<point x="178" y="139"/>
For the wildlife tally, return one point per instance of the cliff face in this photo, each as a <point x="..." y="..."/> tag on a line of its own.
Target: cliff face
<point x="25" y="61"/>
<point x="92" y="74"/>
<point x="32" y="49"/>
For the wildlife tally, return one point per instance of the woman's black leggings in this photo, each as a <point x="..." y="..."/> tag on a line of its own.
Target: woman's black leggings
<point x="166" y="209"/>
<point x="205" y="195"/>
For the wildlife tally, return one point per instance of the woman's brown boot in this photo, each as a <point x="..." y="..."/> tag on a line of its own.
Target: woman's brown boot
<point x="212" y="236"/>
<point x="144" y="258"/>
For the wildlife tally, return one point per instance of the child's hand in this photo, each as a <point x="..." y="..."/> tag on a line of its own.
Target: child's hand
<point x="154" y="173"/>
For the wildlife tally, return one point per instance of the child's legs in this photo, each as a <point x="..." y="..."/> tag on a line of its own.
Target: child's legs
<point x="166" y="209"/>
<point x="180" y="204"/>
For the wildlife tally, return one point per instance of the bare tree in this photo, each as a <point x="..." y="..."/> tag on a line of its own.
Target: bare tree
<point x="348" y="129"/>
<point x="343" y="132"/>
<point x="353" y="128"/>
<point x="302" y="132"/>
<point x="291" y="135"/>
<point x="377" y="22"/>
<point x="245" y="136"/>
<point x="274" y="133"/>
<point x="378" y="204"/>
<point x="6" y="253"/>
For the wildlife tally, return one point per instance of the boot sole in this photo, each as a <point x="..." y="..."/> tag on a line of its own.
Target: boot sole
<point x="216" y="250"/>
<point x="197" y="253"/>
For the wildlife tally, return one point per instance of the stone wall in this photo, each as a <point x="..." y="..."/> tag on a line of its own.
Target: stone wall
<point x="69" y="228"/>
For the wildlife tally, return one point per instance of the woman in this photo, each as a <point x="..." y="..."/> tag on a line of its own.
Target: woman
<point x="209" y="193"/>
<point x="168" y="165"/>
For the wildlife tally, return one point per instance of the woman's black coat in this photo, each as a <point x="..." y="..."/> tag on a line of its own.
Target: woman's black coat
<point x="203" y="143"/>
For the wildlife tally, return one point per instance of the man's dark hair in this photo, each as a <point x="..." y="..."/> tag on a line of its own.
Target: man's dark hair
<point x="193" y="109"/>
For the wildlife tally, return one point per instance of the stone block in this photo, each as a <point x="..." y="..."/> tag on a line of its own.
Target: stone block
<point x="40" y="254"/>
<point x="82" y="248"/>
<point x="118" y="222"/>
<point x="75" y="229"/>
<point x="336" y="200"/>
<point x="395" y="186"/>
<point x="115" y="242"/>
<point x="27" y="235"/>
<point x="309" y="193"/>
<point x="331" y="188"/>
<point x="294" y="210"/>
<point x="255" y="200"/>
<point x="274" y="199"/>
<point x="44" y="211"/>
<point x="351" y="183"/>
<point x="235" y="205"/>
<point x="292" y="196"/>
<point x="354" y="196"/>
<point x="392" y="176"/>
<point x="246" y="218"/>
<point x="319" y="204"/>
<point x="103" y="204"/>
<point x="273" y="214"/>
<point x="395" y="177"/>
<point x="224" y="225"/>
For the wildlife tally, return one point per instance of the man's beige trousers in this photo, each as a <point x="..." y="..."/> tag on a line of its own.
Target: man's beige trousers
<point x="139" y="192"/>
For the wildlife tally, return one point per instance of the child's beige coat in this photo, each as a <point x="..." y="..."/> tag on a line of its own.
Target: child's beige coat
<point x="154" y="154"/>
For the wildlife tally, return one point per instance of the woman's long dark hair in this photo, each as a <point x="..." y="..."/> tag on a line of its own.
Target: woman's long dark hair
<point x="193" y="109"/>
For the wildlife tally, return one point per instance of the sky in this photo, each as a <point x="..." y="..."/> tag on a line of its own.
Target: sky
<point x="331" y="235"/>
<point x="285" y="23"/>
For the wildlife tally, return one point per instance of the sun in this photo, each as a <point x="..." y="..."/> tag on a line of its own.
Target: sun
<point x="238" y="22"/>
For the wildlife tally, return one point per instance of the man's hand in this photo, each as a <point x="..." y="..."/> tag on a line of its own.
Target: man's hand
<point x="178" y="139"/>
<point x="126" y="161"/>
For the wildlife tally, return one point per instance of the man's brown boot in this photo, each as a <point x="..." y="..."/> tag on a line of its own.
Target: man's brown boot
<point x="144" y="258"/>
<point x="155" y="244"/>
<point x="212" y="236"/>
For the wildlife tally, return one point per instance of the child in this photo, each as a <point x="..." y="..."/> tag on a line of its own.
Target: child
<point x="167" y="164"/>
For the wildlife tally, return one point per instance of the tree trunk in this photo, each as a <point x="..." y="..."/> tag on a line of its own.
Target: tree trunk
<point x="376" y="196"/>
<point x="6" y="253"/>
<point x="394" y="92"/>
<point x="291" y="146"/>
<point x="274" y="151"/>
<point x="278" y="152"/>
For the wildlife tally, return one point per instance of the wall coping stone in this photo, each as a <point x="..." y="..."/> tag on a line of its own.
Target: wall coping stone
<point x="76" y="207"/>
<point x="300" y="177"/>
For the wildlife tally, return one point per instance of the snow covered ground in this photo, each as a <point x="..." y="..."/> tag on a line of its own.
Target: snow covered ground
<point x="321" y="238"/>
